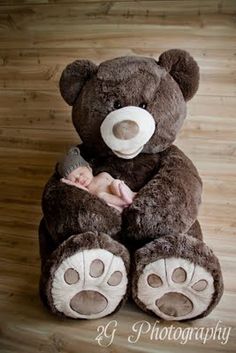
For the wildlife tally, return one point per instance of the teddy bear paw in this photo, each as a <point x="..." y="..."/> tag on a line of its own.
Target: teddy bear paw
<point x="89" y="284"/>
<point x="175" y="288"/>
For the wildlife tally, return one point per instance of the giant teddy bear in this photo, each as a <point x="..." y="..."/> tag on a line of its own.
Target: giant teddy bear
<point x="94" y="257"/>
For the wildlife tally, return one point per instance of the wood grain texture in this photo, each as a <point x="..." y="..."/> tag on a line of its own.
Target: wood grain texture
<point x="37" y="39"/>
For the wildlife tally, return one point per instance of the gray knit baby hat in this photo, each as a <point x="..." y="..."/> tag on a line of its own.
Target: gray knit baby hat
<point x="70" y="162"/>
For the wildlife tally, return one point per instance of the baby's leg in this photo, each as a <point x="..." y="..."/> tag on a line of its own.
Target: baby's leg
<point x="118" y="208"/>
<point x="115" y="187"/>
<point x="126" y="193"/>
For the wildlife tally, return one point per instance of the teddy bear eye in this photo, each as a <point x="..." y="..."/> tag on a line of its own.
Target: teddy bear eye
<point x="143" y="105"/>
<point x="117" y="104"/>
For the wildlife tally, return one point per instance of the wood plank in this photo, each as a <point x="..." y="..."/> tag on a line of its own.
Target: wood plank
<point x="24" y="73"/>
<point x="165" y="7"/>
<point x="29" y="17"/>
<point x="122" y="36"/>
<point x="34" y="26"/>
<point x="30" y="139"/>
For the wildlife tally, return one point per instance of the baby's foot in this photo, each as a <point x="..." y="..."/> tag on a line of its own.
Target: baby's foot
<point x="126" y="193"/>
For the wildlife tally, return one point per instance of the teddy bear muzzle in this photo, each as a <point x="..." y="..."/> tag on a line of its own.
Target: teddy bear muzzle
<point x="125" y="131"/>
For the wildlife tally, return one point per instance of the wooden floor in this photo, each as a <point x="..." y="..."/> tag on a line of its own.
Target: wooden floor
<point x="37" y="39"/>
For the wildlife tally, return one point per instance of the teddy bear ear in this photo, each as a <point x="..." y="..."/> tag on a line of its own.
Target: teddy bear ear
<point x="74" y="77"/>
<point x="184" y="70"/>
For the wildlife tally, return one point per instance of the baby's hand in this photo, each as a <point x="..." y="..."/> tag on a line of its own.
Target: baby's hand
<point x="73" y="183"/>
<point x="68" y="182"/>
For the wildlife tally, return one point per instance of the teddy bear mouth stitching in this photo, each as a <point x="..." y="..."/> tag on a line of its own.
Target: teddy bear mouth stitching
<point x="128" y="155"/>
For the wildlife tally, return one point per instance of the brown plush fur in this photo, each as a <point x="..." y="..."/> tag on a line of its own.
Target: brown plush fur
<point x="167" y="183"/>
<point x="74" y="77"/>
<point x="46" y="243"/>
<point x="183" y="69"/>
<point x="195" y="231"/>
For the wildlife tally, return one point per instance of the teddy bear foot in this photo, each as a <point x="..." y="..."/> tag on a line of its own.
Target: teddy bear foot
<point x="181" y="280"/>
<point x="86" y="276"/>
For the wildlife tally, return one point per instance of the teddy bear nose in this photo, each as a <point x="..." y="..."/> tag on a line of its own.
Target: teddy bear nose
<point x="126" y="129"/>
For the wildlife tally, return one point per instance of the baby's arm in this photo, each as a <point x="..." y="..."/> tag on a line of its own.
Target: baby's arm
<point x="73" y="183"/>
<point x="113" y="200"/>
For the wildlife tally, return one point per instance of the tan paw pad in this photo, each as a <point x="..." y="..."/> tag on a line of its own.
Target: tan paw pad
<point x="154" y="281"/>
<point x="174" y="304"/>
<point x="115" y="278"/>
<point x="179" y="275"/>
<point x="96" y="268"/>
<point x="88" y="302"/>
<point x="71" y="276"/>
<point x="200" y="285"/>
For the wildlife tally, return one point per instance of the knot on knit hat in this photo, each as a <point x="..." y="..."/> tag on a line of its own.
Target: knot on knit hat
<point x="70" y="162"/>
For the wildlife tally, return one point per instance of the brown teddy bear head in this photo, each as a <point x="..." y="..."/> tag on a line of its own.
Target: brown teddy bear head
<point x="130" y="105"/>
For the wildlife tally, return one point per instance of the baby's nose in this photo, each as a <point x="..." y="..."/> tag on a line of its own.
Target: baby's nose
<point x="126" y="129"/>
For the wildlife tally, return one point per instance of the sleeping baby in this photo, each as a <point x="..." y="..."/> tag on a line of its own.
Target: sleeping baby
<point x="75" y="171"/>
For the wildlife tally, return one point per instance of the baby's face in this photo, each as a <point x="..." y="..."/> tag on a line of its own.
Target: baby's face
<point x="81" y="175"/>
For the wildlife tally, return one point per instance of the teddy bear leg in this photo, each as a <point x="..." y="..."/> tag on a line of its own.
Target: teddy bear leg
<point x="85" y="276"/>
<point x="177" y="278"/>
<point x="46" y="244"/>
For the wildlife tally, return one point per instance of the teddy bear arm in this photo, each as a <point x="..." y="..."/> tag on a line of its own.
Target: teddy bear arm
<point x="168" y="203"/>
<point x="69" y="210"/>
